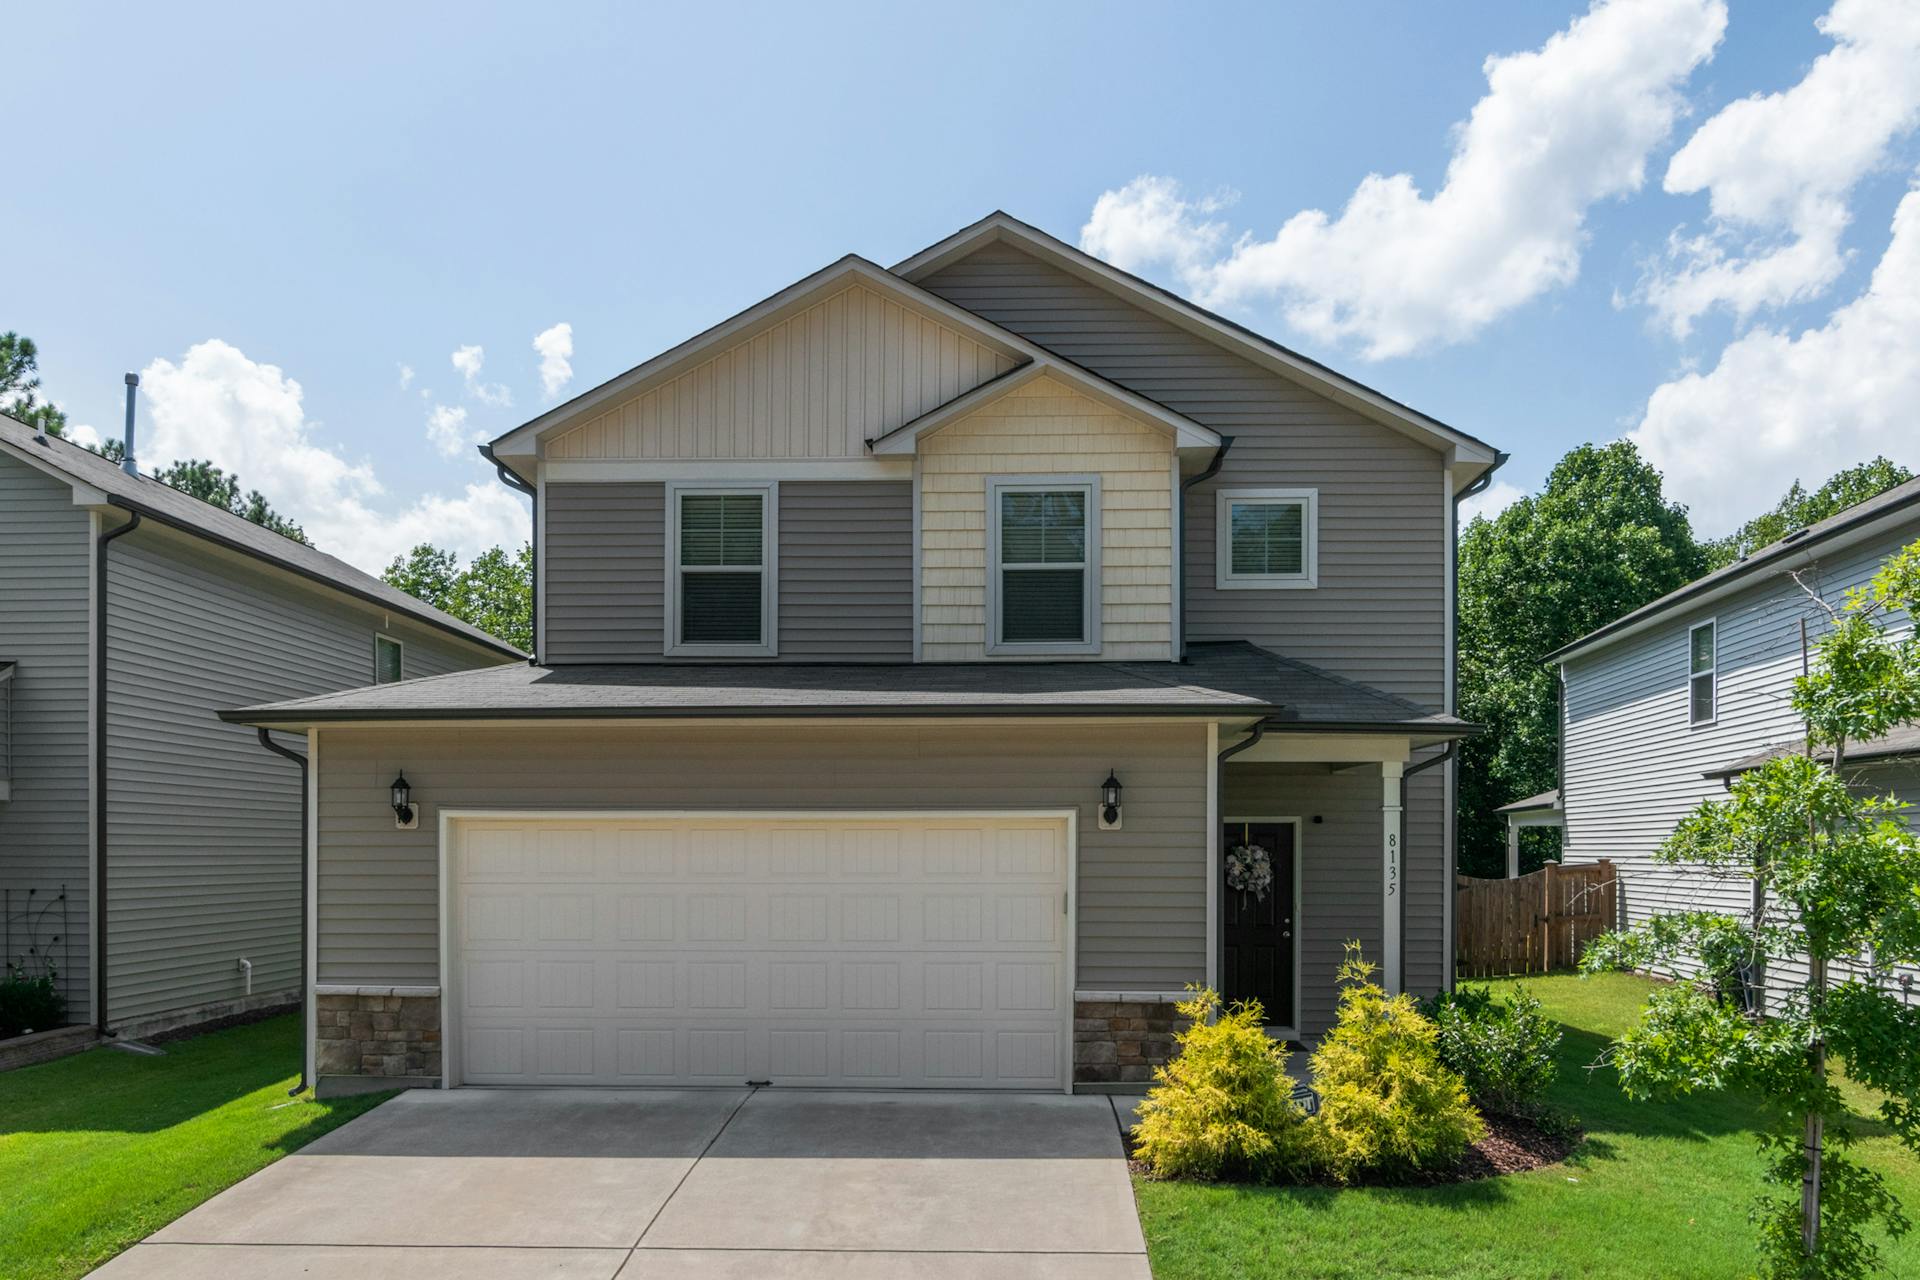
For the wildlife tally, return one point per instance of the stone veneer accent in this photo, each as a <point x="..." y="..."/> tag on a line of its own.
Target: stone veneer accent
<point x="1121" y="1041"/>
<point x="376" y="1032"/>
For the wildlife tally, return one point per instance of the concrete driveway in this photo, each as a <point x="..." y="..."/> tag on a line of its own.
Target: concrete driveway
<point x="493" y="1184"/>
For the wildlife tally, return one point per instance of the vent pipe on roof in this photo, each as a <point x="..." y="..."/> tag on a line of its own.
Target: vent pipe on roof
<point x="126" y="459"/>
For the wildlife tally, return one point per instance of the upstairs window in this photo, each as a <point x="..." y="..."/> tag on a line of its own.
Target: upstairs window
<point x="1703" y="691"/>
<point x="1044" y="540"/>
<point x="1267" y="539"/>
<point x="389" y="660"/>
<point x="722" y="593"/>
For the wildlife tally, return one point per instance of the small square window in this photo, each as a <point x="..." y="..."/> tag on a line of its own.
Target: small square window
<point x="1045" y="537"/>
<point x="723" y="590"/>
<point x="1267" y="539"/>
<point x="1703" y="692"/>
<point x="389" y="662"/>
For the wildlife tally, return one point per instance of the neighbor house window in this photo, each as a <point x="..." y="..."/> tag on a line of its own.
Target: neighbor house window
<point x="1702" y="686"/>
<point x="722" y="591"/>
<point x="388" y="660"/>
<point x="1044" y="548"/>
<point x="1267" y="539"/>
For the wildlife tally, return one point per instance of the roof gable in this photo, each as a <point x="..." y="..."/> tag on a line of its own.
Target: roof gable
<point x="1469" y="456"/>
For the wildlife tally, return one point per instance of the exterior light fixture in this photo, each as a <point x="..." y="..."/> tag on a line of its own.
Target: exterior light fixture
<point x="404" y="815"/>
<point x="1110" y="802"/>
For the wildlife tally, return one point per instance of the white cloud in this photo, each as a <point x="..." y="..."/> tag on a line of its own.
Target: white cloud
<point x="555" y="346"/>
<point x="469" y="361"/>
<point x="1490" y="502"/>
<point x="1777" y="169"/>
<point x="81" y="433"/>
<point x="1778" y="407"/>
<point x="248" y="418"/>
<point x="1561" y="128"/>
<point x="406" y="376"/>
<point x="447" y="429"/>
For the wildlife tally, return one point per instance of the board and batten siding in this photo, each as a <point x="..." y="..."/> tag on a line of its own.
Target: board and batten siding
<point x="1142" y="890"/>
<point x="45" y="621"/>
<point x="845" y="565"/>
<point x="203" y="824"/>
<point x="1045" y="427"/>
<point x="1379" y="613"/>
<point x="818" y="384"/>
<point x="1634" y="763"/>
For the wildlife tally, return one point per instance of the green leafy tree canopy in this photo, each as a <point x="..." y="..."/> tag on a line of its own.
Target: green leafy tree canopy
<point x="1798" y="508"/>
<point x="494" y="591"/>
<point x="20" y="385"/>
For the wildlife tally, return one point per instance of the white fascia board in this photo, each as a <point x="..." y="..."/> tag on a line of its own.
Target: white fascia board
<point x="1187" y="434"/>
<point x="1468" y="456"/>
<point x="523" y="441"/>
<point x="730" y="470"/>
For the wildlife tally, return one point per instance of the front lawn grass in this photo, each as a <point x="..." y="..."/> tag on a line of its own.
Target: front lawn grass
<point x="99" y="1150"/>
<point x="1657" y="1189"/>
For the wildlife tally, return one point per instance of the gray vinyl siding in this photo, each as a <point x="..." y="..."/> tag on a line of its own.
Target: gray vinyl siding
<point x="604" y="575"/>
<point x="1378" y="614"/>
<point x="1142" y="889"/>
<point x="846" y="571"/>
<point x="45" y="543"/>
<point x="845" y="565"/>
<point x="1634" y="762"/>
<point x="203" y="824"/>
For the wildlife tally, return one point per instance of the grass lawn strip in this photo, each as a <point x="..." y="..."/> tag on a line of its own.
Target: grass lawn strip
<point x="1657" y="1190"/>
<point x="100" y="1150"/>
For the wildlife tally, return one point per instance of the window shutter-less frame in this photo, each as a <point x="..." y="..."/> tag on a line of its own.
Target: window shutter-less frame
<point x="721" y="592"/>
<point x="1044" y="565"/>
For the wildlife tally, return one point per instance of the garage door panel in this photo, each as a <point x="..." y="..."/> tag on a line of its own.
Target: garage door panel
<point x="883" y="954"/>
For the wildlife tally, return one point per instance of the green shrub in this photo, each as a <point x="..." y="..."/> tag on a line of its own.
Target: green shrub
<point x="29" y="1002"/>
<point x="1388" y="1105"/>
<point x="1505" y="1050"/>
<point x="1222" y="1108"/>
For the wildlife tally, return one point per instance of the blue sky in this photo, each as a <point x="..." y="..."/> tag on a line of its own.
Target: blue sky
<point x="239" y="199"/>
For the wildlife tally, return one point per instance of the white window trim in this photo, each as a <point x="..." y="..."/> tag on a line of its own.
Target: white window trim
<point x="1090" y="584"/>
<point x="380" y="638"/>
<point x="769" y="645"/>
<point x="1712" y="673"/>
<point x="1225" y="579"/>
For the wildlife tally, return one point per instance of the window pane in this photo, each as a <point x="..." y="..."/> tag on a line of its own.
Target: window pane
<point x="1043" y="528"/>
<point x="720" y="528"/>
<point x="1702" y="698"/>
<point x="1269" y="537"/>
<point x="1039" y="605"/>
<point x="1702" y="649"/>
<point x="386" y="660"/>
<point x="720" y="608"/>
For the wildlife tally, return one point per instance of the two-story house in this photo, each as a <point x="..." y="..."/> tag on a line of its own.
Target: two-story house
<point x="915" y="648"/>
<point x="149" y="853"/>
<point x="1662" y="707"/>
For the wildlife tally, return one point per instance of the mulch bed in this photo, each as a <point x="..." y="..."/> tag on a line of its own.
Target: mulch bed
<point x="1512" y="1145"/>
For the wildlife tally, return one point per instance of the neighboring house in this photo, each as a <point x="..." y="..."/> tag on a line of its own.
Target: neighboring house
<point x="849" y="611"/>
<point x="128" y="605"/>
<point x="1662" y="707"/>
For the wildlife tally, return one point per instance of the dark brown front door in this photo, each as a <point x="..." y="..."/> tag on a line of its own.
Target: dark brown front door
<point x="1256" y="934"/>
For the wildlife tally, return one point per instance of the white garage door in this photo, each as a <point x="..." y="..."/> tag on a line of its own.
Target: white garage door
<point x="870" y="953"/>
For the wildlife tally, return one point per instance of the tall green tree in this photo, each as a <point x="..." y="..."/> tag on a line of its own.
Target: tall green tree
<point x="210" y="484"/>
<point x="20" y="385"/>
<point x="1798" y="508"/>
<point x="494" y="591"/>
<point x="1599" y="540"/>
<point x="1839" y="880"/>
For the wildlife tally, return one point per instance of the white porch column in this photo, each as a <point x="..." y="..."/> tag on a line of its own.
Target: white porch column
<point x="1391" y="773"/>
<point x="1513" y="848"/>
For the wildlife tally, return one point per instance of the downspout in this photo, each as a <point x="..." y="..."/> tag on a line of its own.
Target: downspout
<point x="100" y="767"/>
<point x="1180" y="538"/>
<point x="513" y="481"/>
<point x="266" y="740"/>
<point x="1219" y="786"/>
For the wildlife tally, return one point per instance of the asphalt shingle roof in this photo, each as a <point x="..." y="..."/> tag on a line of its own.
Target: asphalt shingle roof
<point x="1229" y="678"/>
<point x="1901" y="742"/>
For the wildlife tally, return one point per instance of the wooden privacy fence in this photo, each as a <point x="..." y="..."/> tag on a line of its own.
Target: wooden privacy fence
<point x="1538" y="922"/>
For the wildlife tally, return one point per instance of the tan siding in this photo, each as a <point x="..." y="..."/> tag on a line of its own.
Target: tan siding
<point x="818" y="384"/>
<point x="1047" y="428"/>
<point x="1142" y="890"/>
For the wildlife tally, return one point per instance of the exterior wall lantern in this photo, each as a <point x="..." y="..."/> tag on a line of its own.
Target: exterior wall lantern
<point x="405" y="816"/>
<point x="1110" y="803"/>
